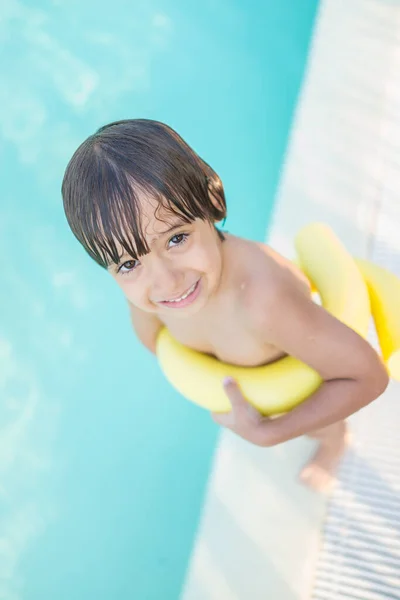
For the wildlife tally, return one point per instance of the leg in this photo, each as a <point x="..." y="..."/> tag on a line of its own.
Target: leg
<point x="319" y="473"/>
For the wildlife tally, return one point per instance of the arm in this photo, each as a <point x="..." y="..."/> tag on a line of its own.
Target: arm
<point x="353" y="374"/>
<point x="146" y="326"/>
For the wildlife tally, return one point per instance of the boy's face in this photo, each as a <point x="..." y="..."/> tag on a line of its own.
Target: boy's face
<point x="182" y="270"/>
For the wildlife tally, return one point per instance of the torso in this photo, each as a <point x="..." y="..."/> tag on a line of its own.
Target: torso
<point x="223" y="329"/>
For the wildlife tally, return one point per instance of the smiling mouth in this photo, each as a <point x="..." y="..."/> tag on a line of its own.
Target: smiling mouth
<point x="185" y="298"/>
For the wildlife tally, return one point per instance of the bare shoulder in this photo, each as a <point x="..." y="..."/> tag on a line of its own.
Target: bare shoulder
<point x="146" y="326"/>
<point x="266" y="278"/>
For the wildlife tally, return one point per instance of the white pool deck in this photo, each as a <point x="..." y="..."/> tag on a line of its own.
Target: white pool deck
<point x="262" y="534"/>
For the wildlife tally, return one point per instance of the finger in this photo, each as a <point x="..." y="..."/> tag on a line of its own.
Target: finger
<point x="239" y="403"/>
<point x="234" y="394"/>
<point x="223" y="419"/>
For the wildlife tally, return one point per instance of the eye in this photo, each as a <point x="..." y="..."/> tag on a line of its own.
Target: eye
<point x="128" y="266"/>
<point x="178" y="240"/>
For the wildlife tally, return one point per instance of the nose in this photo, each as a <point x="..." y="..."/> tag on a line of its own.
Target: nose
<point x="166" y="280"/>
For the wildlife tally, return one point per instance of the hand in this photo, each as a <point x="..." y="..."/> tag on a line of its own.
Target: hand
<point x="244" y="419"/>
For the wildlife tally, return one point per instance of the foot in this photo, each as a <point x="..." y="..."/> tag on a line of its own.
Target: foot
<point x="319" y="473"/>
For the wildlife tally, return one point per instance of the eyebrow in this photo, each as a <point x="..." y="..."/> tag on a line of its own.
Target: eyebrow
<point x="177" y="225"/>
<point x="170" y="229"/>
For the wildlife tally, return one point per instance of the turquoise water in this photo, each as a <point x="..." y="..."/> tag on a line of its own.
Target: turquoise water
<point x="103" y="467"/>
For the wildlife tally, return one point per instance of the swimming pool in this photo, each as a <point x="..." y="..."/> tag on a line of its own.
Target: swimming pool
<point x="103" y="466"/>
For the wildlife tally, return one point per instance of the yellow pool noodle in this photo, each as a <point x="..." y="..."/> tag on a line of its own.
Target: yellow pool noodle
<point x="384" y="291"/>
<point x="335" y="276"/>
<point x="280" y="386"/>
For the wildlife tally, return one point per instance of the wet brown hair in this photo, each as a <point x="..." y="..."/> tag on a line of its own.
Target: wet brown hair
<point x="122" y="161"/>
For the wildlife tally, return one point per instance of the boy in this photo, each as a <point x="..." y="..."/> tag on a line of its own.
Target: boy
<point x="144" y="205"/>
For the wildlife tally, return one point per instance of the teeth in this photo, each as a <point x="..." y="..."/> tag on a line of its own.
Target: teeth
<point x="184" y="295"/>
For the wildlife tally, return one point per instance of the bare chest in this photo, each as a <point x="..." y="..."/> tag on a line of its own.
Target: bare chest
<point x="224" y="336"/>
